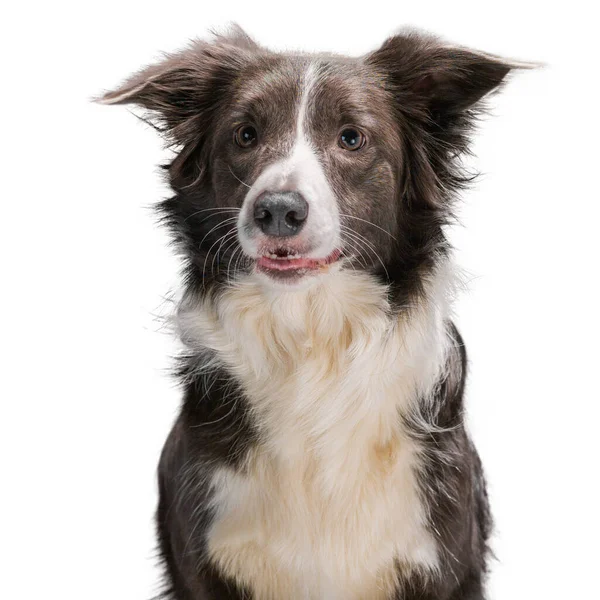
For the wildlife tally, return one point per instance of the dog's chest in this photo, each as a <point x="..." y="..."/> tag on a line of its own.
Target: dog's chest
<point x="328" y="507"/>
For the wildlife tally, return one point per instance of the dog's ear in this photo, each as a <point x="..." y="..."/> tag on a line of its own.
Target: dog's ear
<point x="437" y="91"/>
<point x="434" y="80"/>
<point x="183" y="91"/>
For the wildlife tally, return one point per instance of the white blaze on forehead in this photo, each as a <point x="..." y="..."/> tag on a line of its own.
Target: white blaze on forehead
<point x="308" y="83"/>
<point x="300" y="171"/>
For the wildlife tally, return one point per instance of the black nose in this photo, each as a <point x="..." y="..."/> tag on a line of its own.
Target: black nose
<point x="280" y="214"/>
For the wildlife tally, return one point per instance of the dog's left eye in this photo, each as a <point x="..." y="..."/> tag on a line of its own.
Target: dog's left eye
<point x="351" y="139"/>
<point x="245" y="136"/>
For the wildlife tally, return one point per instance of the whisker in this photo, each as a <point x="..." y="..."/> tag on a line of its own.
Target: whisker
<point x="220" y="209"/>
<point x="357" y="245"/>
<point x="242" y="182"/>
<point x="366" y="244"/>
<point x="229" y="246"/>
<point x="221" y="224"/>
<point x="229" y="263"/>
<point x="353" y="246"/>
<point x="208" y="254"/>
<point x="369" y="223"/>
<point x="215" y="214"/>
<point x="225" y="238"/>
<point x="242" y="257"/>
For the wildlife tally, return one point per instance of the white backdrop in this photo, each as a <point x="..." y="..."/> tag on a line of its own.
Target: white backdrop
<point x="85" y="399"/>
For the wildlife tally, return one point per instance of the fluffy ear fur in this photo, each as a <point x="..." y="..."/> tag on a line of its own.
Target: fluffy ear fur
<point x="437" y="90"/>
<point x="185" y="91"/>
<point x="436" y="77"/>
<point x="184" y="88"/>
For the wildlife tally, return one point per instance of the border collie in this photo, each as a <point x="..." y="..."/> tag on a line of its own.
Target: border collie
<point x="320" y="452"/>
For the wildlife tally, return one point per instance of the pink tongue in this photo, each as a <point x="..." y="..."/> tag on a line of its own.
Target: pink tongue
<point x="287" y="264"/>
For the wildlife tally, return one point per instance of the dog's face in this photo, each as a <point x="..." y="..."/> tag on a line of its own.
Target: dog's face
<point x="292" y="166"/>
<point x="307" y="151"/>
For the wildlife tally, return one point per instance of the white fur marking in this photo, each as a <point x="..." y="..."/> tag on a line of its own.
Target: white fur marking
<point x="301" y="171"/>
<point x="307" y="86"/>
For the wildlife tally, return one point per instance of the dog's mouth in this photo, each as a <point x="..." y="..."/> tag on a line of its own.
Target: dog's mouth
<point x="284" y="263"/>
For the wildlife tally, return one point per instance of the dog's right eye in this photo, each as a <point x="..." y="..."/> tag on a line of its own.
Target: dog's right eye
<point x="351" y="139"/>
<point x="245" y="136"/>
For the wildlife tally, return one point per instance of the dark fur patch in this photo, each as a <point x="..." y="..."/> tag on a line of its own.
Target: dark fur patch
<point x="212" y="430"/>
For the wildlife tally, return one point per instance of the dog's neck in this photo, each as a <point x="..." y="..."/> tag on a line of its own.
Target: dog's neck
<point x="333" y="354"/>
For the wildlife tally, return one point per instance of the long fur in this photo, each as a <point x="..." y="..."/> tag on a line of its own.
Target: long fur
<point x="320" y="451"/>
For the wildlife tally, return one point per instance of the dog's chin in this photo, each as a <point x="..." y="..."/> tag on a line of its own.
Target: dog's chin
<point x="291" y="269"/>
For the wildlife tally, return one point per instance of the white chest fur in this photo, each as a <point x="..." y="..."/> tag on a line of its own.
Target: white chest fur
<point x="327" y="505"/>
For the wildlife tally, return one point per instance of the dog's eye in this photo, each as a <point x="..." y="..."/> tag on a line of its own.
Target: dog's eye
<point x="245" y="136"/>
<point x="351" y="139"/>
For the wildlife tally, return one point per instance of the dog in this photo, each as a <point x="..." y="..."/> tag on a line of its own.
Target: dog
<point x="320" y="451"/>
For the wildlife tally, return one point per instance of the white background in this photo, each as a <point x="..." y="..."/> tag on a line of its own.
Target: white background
<point x="85" y="399"/>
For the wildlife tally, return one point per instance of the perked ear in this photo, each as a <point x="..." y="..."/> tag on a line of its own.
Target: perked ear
<point x="185" y="88"/>
<point x="434" y="79"/>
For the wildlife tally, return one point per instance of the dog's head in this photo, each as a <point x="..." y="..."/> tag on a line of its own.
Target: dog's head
<point x="290" y="166"/>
